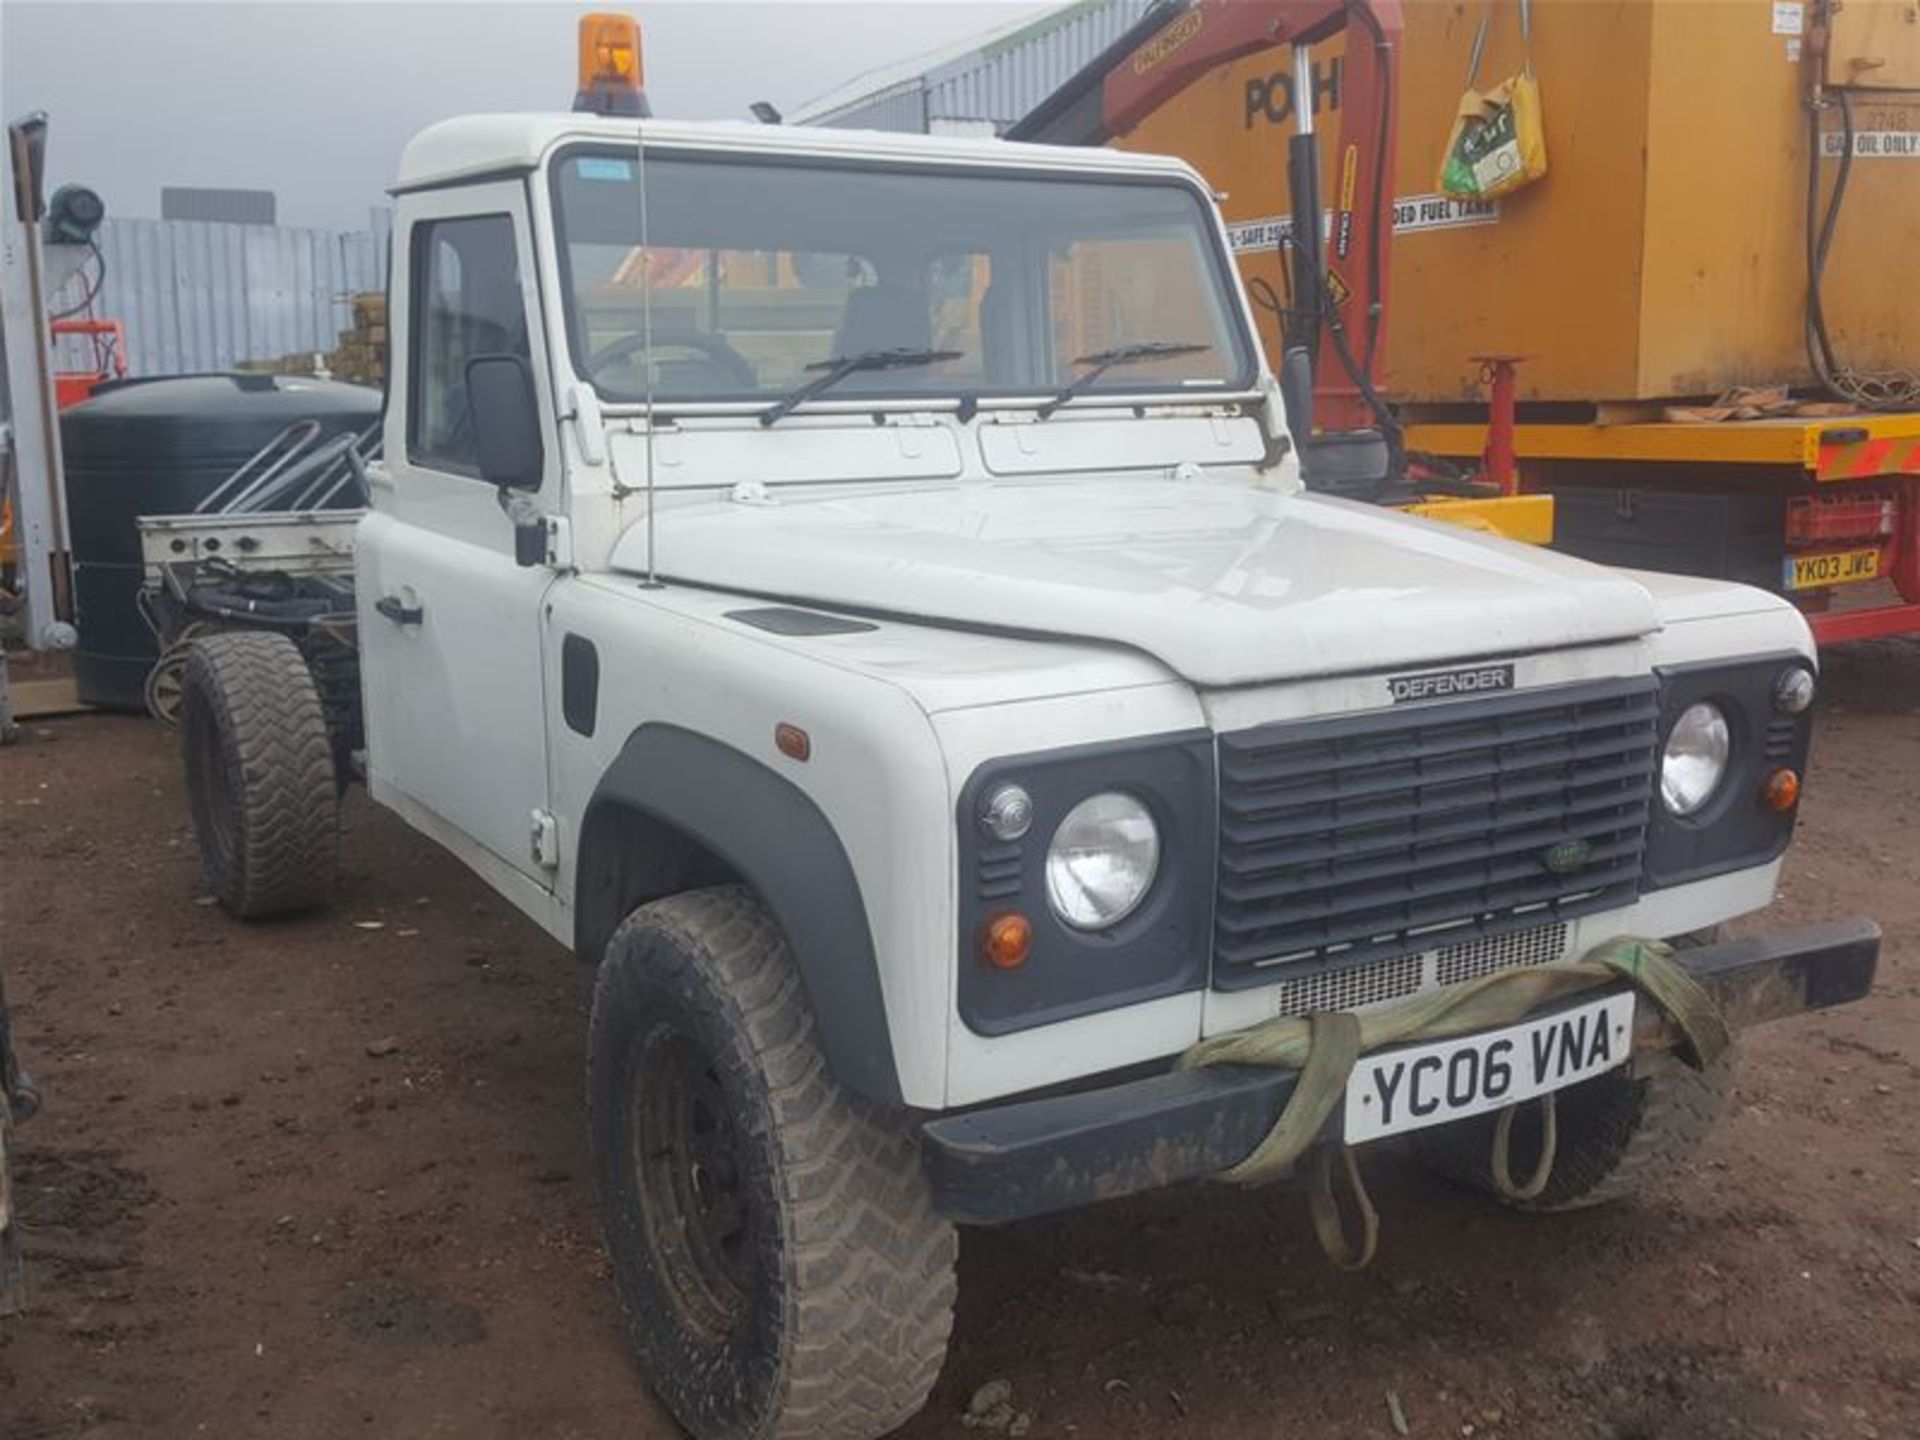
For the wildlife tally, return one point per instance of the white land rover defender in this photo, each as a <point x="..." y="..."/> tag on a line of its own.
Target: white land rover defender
<point x="857" y="591"/>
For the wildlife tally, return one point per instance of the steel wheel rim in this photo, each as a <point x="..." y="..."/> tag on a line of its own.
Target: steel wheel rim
<point x="166" y="687"/>
<point x="689" y="1176"/>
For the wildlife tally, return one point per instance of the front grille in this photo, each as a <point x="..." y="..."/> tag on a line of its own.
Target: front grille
<point x="1389" y="834"/>
<point x="1376" y="981"/>
<point x="1471" y="959"/>
<point x="1394" y="978"/>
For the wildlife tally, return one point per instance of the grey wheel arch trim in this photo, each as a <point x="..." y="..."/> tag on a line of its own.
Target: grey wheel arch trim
<point x="777" y="841"/>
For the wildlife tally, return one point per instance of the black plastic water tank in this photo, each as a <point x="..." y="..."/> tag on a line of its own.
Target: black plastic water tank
<point x="160" y="447"/>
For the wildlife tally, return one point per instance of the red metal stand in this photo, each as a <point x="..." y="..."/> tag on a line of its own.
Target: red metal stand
<point x="109" y="338"/>
<point x="1498" y="462"/>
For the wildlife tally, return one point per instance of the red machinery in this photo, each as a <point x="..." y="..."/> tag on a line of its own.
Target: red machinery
<point x="107" y="346"/>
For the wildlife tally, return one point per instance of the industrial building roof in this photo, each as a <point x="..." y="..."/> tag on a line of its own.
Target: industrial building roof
<point x="982" y="85"/>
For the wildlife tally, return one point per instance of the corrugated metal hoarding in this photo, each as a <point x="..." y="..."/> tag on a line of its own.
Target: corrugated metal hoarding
<point x="197" y="295"/>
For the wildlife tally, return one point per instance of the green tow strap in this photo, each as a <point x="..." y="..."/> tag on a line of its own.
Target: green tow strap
<point x="1502" y="1158"/>
<point x="1324" y="1048"/>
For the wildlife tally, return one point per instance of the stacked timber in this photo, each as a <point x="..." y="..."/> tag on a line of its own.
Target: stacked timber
<point x="362" y="353"/>
<point x="360" y="358"/>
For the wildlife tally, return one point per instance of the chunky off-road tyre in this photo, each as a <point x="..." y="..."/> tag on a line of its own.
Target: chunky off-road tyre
<point x="1617" y="1133"/>
<point x="781" y="1267"/>
<point x="259" y="774"/>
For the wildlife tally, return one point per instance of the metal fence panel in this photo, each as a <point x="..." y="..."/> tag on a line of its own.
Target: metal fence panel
<point x="199" y="295"/>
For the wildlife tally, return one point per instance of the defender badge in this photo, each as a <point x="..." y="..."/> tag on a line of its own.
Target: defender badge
<point x="1444" y="684"/>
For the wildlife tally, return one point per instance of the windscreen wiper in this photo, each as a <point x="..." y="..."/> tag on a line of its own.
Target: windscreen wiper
<point x="832" y="372"/>
<point x="1104" y="360"/>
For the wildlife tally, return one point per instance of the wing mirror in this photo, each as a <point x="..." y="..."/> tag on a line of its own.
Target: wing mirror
<point x="504" y="408"/>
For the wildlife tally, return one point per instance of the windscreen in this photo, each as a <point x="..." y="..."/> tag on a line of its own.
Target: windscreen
<point x="759" y="275"/>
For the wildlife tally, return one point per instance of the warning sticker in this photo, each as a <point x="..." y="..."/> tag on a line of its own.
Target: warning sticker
<point x="1411" y="214"/>
<point x="1349" y="177"/>
<point x="1264" y="234"/>
<point x="1789" y="19"/>
<point x="1874" y="144"/>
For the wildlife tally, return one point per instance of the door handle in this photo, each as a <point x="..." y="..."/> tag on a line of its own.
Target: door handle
<point x="398" y="611"/>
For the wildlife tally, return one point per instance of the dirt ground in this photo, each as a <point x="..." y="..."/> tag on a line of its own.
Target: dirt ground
<point x="329" y="1178"/>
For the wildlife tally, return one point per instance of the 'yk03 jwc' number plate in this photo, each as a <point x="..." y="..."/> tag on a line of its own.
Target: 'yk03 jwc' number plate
<point x="1422" y="1085"/>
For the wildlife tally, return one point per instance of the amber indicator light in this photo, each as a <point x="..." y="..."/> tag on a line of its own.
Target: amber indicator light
<point x="1006" y="940"/>
<point x="792" y="741"/>
<point x="1782" y="790"/>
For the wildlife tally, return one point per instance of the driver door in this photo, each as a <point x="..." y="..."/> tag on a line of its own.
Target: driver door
<point x="450" y="627"/>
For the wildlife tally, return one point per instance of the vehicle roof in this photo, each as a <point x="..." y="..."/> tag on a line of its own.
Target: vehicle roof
<point x="476" y="145"/>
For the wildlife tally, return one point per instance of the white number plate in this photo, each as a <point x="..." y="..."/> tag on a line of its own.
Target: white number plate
<point x="1422" y="1085"/>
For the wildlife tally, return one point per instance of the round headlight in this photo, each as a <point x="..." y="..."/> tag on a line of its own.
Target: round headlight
<point x="1695" y="760"/>
<point x="1007" y="813"/>
<point x="1102" y="861"/>
<point x="1793" y="690"/>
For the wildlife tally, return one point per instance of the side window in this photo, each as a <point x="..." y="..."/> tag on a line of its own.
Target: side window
<point x="466" y="303"/>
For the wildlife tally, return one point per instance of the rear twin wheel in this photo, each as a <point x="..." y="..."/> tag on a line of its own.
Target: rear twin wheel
<point x="260" y="774"/>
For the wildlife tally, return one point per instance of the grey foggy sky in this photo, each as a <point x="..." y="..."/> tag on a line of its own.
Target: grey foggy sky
<point x="313" y="100"/>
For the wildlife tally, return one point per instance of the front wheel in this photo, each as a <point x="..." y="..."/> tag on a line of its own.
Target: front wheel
<point x="779" y="1260"/>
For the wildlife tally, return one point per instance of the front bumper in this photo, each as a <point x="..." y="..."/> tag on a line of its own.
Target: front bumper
<point x="1035" y="1157"/>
